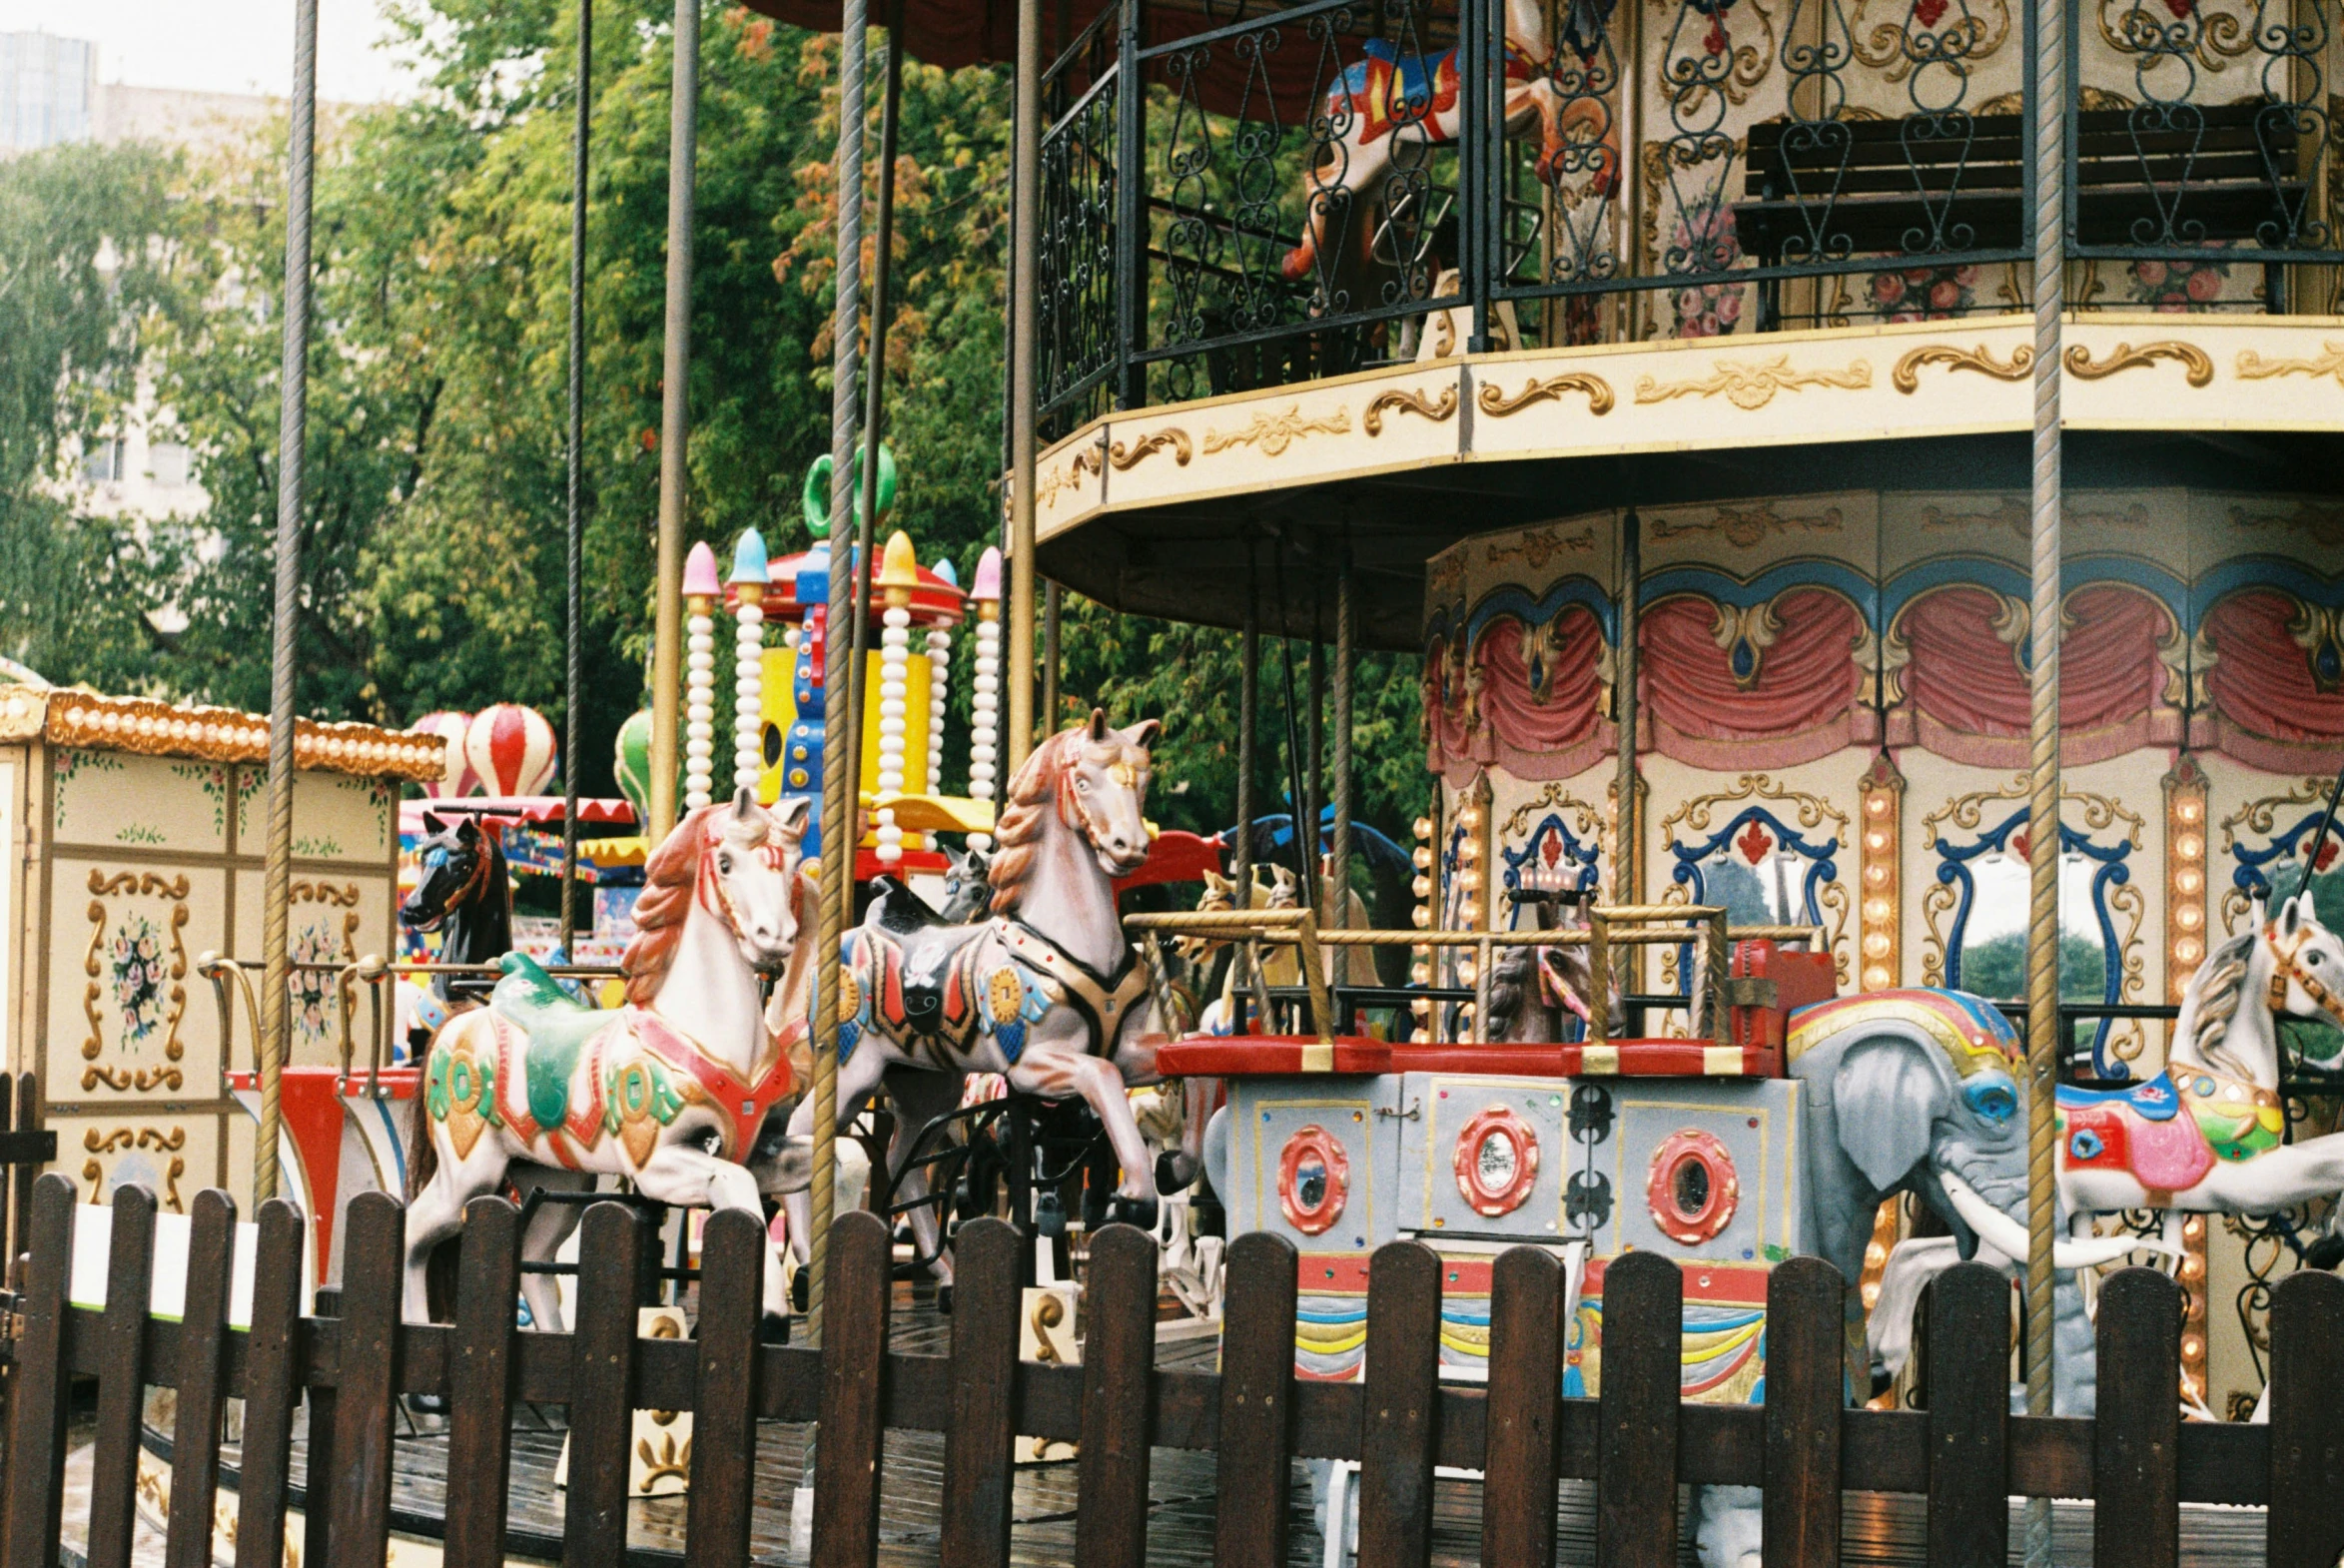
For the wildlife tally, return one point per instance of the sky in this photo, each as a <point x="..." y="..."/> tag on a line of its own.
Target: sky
<point x="224" y="46"/>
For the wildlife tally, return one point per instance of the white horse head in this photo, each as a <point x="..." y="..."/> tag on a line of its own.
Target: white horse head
<point x="738" y="863"/>
<point x="2287" y="965"/>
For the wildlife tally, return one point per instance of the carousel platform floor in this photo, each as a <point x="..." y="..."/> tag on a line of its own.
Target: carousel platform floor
<point x="1888" y="1531"/>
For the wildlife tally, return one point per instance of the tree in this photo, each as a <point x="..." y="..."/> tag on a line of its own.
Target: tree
<point x="88" y="249"/>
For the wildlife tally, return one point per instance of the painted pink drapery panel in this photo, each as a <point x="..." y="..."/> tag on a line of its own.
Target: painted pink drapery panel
<point x="1798" y="708"/>
<point x="1973" y="700"/>
<point x="1504" y="721"/>
<point x="2268" y="710"/>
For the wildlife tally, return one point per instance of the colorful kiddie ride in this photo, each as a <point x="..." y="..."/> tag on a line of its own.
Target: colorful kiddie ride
<point x="1776" y="1125"/>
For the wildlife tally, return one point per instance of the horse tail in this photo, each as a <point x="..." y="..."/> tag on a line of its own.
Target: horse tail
<point x="422" y="1154"/>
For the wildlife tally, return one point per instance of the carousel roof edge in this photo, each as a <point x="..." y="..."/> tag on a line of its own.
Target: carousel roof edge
<point x="149" y="727"/>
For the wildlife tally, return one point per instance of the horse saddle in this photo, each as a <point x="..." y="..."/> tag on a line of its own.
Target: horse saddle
<point x="913" y="968"/>
<point x="2137" y="1130"/>
<point x="558" y="1027"/>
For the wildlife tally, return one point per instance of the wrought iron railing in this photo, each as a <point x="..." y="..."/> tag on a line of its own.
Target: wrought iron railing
<point x="1241" y="196"/>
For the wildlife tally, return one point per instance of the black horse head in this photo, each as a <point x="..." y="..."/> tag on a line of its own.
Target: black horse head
<point x="461" y="892"/>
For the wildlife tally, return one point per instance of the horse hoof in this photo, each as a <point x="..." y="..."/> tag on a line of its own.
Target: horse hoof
<point x="2326" y="1253"/>
<point x="944" y="1300"/>
<point x="800" y="1288"/>
<point x="1173" y="1173"/>
<point x="1138" y="1212"/>
<point x="773" y="1328"/>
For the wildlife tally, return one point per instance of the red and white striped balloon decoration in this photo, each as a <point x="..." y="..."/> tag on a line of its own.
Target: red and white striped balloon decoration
<point x="460" y="779"/>
<point x="512" y="749"/>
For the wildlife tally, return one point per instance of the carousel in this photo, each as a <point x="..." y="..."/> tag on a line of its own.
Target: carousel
<point x="1881" y="778"/>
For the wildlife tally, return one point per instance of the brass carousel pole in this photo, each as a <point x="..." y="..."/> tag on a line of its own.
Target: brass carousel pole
<point x="667" y="675"/>
<point x="574" y="595"/>
<point x="2043" y="816"/>
<point x="283" y="654"/>
<point x="1025" y="330"/>
<point x="841" y="809"/>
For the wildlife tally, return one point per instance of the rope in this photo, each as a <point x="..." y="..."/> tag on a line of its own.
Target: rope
<point x="284" y="629"/>
<point x="875" y="379"/>
<point x="2043" y="917"/>
<point x="840" y="803"/>
<point x="575" y="602"/>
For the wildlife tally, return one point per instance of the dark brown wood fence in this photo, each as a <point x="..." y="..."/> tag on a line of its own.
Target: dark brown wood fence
<point x="1637" y="1441"/>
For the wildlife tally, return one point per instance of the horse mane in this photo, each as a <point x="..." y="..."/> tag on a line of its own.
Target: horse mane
<point x="1510" y="979"/>
<point x="1017" y="836"/>
<point x="2212" y="1002"/>
<point x="666" y="898"/>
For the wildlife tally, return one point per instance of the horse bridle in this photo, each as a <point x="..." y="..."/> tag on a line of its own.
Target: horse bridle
<point x="775" y="856"/>
<point x="2284" y="968"/>
<point x="1073" y="809"/>
<point x="474" y="881"/>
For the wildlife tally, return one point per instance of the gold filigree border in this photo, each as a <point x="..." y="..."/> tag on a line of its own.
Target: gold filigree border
<point x="2252" y="367"/>
<point x="143" y="1080"/>
<point x="1439" y="410"/>
<point x="1174" y="439"/>
<point x="1272" y="434"/>
<point x="1906" y="376"/>
<point x="1750" y="385"/>
<point x="2199" y="370"/>
<point x="1498" y="405"/>
<point x="173" y="1143"/>
<point x="1812" y="811"/>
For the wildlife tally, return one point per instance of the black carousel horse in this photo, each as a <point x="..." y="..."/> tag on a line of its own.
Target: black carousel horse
<point x="463" y="893"/>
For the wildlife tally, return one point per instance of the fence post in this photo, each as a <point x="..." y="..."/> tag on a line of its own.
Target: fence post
<point x="481" y="1370"/>
<point x="1804" y="1394"/>
<point x="1400" y="1428"/>
<point x="272" y="1389"/>
<point x="202" y="1380"/>
<point x="724" y="1406"/>
<point x="1255" y="1458"/>
<point x="36" y="1414"/>
<point x="854" y="1378"/>
<point x="1968" y="1410"/>
<point x="1636" y="1447"/>
<point x="2304" y="1526"/>
<point x="373" y="1253"/>
<point x="2136" y="1437"/>
<point x="989" y="1259"/>
<point x="122" y="1343"/>
<point x="1119" y="1376"/>
<point x="601" y="1386"/>
<point x="1527" y="1337"/>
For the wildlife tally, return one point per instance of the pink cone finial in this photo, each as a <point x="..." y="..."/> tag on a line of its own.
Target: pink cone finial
<point x="988" y="584"/>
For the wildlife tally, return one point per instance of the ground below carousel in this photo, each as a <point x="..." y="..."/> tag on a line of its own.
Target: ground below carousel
<point x="1875" y="1530"/>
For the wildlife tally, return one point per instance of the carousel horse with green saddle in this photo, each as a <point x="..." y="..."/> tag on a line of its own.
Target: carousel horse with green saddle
<point x="672" y="1089"/>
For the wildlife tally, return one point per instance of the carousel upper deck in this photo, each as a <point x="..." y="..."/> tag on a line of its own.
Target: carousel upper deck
<point x="1412" y="271"/>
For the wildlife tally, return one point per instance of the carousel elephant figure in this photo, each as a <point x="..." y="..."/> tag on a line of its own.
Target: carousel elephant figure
<point x="1914" y="1092"/>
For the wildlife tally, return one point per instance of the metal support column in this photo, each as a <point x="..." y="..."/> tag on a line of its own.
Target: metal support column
<point x="1346" y="659"/>
<point x="292" y="434"/>
<point x="1313" y="802"/>
<point x="1626" y="817"/>
<point x="1025" y="307"/>
<point x="2052" y="114"/>
<point x="841" y="811"/>
<point x="1052" y="608"/>
<point x="667" y="647"/>
<point x="1248" y="718"/>
<point x="574" y="595"/>
<point x="874" y="383"/>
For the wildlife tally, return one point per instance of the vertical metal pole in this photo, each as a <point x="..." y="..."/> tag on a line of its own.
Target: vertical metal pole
<point x="1131" y="218"/>
<point x="874" y="388"/>
<point x="1346" y="658"/>
<point x="841" y="811"/>
<point x="1025" y="287"/>
<point x="1052" y="608"/>
<point x="2043" y="915"/>
<point x="293" y="433"/>
<point x="667" y="656"/>
<point x="1248" y="718"/>
<point x="575" y="599"/>
<point x="1628" y="824"/>
<point x="1314" y="771"/>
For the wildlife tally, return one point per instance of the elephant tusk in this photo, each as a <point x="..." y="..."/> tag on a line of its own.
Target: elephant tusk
<point x="2008" y="1237"/>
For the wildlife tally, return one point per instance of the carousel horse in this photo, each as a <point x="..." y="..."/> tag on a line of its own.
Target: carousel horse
<point x="463" y="893"/>
<point x="1049" y="992"/>
<point x="1396" y="95"/>
<point x="1533" y="991"/>
<point x="671" y="1090"/>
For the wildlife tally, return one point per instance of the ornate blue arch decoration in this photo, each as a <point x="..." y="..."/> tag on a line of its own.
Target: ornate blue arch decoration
<point x="2252" y="876"/>
<point x="1954" y="864"/>
<point x="1537" y="611"/>
<point x="1573" y="860"/>
<point x="1822" y="870"/>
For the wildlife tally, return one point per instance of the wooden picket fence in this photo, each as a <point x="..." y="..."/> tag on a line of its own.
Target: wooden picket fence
<point x="1637" y="1441"/>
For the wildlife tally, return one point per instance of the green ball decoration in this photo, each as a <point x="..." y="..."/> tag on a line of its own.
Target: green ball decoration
<point x="634" y="763"/>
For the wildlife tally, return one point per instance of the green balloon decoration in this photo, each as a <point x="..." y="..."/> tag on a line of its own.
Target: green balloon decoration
<point x="634" y="763"/>
<point x="816" y="498"/>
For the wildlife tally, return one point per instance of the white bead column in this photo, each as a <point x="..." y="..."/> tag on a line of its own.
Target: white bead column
<point x="984" y="714"/>
<point x="939" y="692"/>
<point x="748" y="695"/>
<point x="894" y="685"/>
<point x="699" y="705"/>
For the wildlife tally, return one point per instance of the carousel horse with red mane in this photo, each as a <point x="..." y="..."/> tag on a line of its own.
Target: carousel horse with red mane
<point x="1047" y="990"/>
<point x="672" y="1089"/>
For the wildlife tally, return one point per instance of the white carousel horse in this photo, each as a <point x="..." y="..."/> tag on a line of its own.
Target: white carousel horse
<point x="1048" y="991"/>
<point x="1396" y="95"/>
<point x="671" y="1091"/>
